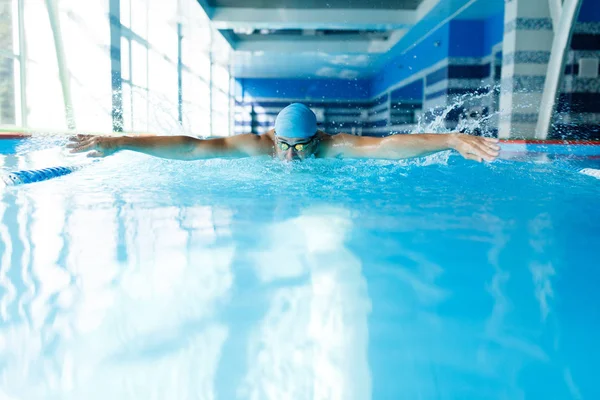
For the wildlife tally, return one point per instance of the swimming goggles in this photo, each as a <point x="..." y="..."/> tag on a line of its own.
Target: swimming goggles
<point x="284" y="146"/>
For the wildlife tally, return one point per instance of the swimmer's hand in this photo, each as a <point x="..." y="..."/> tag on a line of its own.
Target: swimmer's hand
<point x="474" y="148"/>
<point x="396" y="147"/>
<point x="100" y="146"/>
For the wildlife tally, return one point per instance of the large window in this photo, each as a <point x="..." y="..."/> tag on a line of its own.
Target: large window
<point x="44" y="96"/>
<point x="54" y="57"/>
<point x="159" y="66"/>
<point x="164" y="45"/>
<point x="220" y="100"/>
<point x="9" y="63"/>
<point x="85" y="34"/>
<point x="196" y="39"/>
<point x="149" y="65"/>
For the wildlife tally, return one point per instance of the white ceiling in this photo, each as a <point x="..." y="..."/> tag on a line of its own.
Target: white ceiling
<point x="330" y="38"/>
<point x="340" y="4"/>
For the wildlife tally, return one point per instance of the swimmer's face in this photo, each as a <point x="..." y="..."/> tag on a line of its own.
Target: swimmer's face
<point x="295" y="149"/>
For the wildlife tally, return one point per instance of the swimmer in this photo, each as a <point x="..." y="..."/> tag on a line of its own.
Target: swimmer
<point x="295" y="137"/>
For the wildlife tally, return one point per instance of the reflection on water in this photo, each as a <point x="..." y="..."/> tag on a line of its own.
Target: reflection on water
<point x="119" y="301"/>
<point x="144" y="278"/>
<point x="80" y="323"/>
<point x="312" y="342"/>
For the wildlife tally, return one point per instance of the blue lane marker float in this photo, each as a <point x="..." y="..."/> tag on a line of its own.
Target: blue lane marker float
<point x="36" y="175"/>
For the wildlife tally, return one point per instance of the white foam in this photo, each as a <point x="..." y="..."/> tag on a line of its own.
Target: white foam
<point x="591" y="172"/>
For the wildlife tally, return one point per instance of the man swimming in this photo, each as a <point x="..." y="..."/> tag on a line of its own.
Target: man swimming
<point x="295" y="137"/>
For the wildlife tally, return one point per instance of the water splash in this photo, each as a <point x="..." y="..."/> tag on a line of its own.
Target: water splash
<point x="477" y="111"/>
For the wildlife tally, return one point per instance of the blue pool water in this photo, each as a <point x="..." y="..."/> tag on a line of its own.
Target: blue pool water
<point x="433" y="278"/>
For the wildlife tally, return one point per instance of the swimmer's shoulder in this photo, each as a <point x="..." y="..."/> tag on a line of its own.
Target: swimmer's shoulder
<point x="333" y="138"/>
<point x="268" y="136"/>
<point x="267" y="141"/>
<point x="328" y="143"/>
<point x="252" y="143"/>
<point x="324" y="138"/>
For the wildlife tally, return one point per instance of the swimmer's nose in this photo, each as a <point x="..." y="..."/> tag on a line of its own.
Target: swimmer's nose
<point x="289" y="155"/>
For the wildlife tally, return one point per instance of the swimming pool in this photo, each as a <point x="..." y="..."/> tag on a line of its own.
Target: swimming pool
<point x="434" y="278"/>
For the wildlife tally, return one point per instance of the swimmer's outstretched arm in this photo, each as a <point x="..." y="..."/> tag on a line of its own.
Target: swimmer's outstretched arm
<point x="408" y="146"/>
<point x="173" y="147"/>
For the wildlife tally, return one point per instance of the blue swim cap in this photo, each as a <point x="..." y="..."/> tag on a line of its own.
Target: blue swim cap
<point x="296" y="121"/>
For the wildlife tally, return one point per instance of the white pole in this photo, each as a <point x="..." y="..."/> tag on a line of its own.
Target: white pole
<point x="555" y="11"/>
<point x="62" y="63"/>
<point x="23" y="62"/>
<point x="556" y="66"/>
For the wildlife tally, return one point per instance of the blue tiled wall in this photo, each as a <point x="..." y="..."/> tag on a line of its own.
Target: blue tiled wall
<point x="457" y="59"/>
<point x="418" y="58"/>
<point x="578" y="110"/>
<point x="309" y="89"/>
<point x="590" y="11"/>
<point x="467" y="39"/>
<point x="339" y="104"/>
<point x="493" y="31"/>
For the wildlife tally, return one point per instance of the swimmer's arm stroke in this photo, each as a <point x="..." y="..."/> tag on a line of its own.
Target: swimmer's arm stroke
<point x="173" y="147"/>
<point x="402" y="146"/>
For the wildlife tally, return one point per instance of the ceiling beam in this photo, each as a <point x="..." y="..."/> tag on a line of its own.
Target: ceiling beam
<point x="286" y="18"/>
<point x="319" y="45"/>
<point x="206" y="6"/>
<point x="425" y="7"/>
<point x="305" y="46"/>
